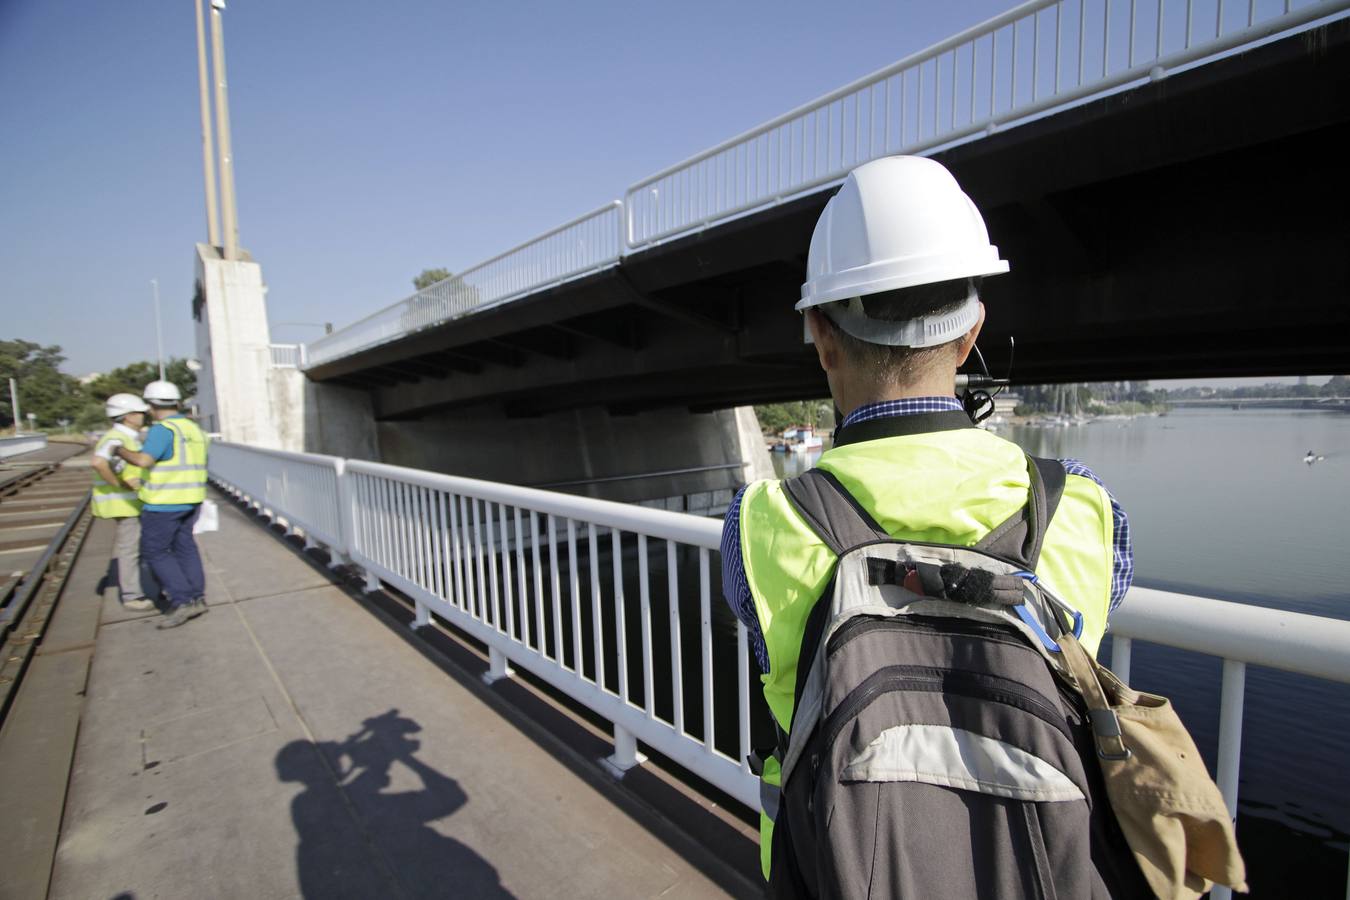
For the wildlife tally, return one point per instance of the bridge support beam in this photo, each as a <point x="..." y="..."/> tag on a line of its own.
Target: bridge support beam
<point x="233" y="345"/>
<point x="671" y="458"/>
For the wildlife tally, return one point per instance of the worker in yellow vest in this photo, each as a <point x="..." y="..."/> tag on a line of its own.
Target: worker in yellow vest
<point x="115" y="485"/>
<point x="892" y="305"/>
<point x="174" y="459"/>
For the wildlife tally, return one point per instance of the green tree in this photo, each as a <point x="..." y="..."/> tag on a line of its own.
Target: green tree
<point x="1338" y="386"/>
<point x="774" y="417"/>
<point x="44" y="389"/>
<point x="428" y="277"/>
<point x="133" y="377"/>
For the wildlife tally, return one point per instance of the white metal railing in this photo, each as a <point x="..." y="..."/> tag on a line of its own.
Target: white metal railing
<point x="287" y="356"/>
<point x="20" y="444"/>
<point x="583" y="245"/>
<point x="520" y="569"/>
<point x="1037" y="58"/>
<point x="300" y="488"/>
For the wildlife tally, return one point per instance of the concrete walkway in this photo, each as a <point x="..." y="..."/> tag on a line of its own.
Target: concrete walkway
<point x="292" y="743"/>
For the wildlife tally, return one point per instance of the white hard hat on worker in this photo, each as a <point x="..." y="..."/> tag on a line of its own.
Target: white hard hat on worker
<point x="162" y="393"/>
<point x="897" y="222"/>
<point x="119" y="405"/>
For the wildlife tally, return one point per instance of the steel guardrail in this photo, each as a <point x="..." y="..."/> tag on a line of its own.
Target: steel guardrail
<point x="21" y="444"/>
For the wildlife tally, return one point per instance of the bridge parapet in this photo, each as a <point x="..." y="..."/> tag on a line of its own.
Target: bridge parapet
<point x="576" y="248"/>
<point x="1037" y="58"/>
<point x="521" y="570"/>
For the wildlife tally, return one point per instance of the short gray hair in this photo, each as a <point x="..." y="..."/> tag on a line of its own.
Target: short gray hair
<point x="895" y="365"/>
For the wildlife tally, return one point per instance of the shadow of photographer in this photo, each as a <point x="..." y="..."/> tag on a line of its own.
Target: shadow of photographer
<point x="424" y="862"/>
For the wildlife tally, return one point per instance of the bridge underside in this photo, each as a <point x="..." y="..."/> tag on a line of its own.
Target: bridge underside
<point x="1194" y="226"/>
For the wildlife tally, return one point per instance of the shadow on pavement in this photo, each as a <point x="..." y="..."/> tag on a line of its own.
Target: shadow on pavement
<point x="423" y="861"/>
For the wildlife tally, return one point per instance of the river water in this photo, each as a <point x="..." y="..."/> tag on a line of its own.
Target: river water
<point x="1222" y="505"/>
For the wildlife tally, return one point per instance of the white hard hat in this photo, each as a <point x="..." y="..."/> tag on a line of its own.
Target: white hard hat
<point x="119" y="405"/>
<point x="162" y="393"/>
<point x="898" y="222"/>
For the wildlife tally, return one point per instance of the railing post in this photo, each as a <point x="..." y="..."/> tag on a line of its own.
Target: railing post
<point x="372" y="582"/>
<point x="1230" y="744"/>
<point x="338" y="555"/>
<point x="625" y="755"/>
<point x="421" y="616"/>
<point x="499" y="666"/>
<point x="1120" y="657"/>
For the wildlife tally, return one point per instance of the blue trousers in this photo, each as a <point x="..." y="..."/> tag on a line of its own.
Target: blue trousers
<point x="168" y="546"/>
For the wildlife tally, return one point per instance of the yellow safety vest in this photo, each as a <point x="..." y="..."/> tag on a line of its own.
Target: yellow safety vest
<point x="950" y="487"/>
<point x="182" y="477"/>
<point x="116" y="501"/>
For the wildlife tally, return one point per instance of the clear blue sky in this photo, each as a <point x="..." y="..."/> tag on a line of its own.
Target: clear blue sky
<point x="371" y="140"/>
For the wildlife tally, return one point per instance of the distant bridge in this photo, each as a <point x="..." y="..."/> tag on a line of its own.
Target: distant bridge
<point x="1338" y="404"/>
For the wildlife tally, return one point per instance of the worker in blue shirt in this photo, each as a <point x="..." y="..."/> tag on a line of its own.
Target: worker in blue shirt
<point x="174" y="459"/>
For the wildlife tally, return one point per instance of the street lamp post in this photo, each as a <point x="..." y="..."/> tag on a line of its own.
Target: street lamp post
<point x="14" y="403"/>
<point x="159" y="329"/>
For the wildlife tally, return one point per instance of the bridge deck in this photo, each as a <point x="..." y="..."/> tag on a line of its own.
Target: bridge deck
<point x="294" y="743"/>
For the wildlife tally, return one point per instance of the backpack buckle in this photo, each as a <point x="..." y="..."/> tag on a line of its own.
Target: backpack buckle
<point x="1105" y="730"/>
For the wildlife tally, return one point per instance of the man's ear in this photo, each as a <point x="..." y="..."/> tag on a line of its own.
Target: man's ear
<point x="823" y="339"/>
<point x="966" y="342"/>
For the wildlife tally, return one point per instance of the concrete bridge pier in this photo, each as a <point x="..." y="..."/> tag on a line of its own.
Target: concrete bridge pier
<point x="672" y="458"/>
<point x="241" y="395"/>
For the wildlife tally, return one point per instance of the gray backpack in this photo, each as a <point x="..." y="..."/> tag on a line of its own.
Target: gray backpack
<point x="934" y="750"/>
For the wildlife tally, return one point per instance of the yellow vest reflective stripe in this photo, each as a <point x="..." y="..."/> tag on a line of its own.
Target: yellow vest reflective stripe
<point x="182" y="477"/>
<point x="113" y="501"/>
<point x="948" y="487"/>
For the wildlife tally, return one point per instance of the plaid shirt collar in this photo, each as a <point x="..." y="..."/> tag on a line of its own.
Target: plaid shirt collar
<point x="906" y="406"/>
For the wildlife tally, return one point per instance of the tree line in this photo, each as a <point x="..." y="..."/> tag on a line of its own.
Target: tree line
<point x="55" y="397"/>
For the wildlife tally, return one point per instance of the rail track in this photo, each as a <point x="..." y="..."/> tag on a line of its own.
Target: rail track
<point x="44" y="517"/>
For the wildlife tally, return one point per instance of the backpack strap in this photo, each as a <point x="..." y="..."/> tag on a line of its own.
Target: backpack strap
<point x="841" y="522"/>
<point x="1019" y="538"/>
<point x="832" y="512"/>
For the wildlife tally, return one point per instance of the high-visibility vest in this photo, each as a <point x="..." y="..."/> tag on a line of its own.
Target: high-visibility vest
<point x="182" y="477"/>
<point x="115" y="501"/>
<point x="950" y="486"/>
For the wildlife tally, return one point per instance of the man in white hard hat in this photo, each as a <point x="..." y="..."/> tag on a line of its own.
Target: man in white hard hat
<point x="115" y="485"/>
<point x="891" y="301"/>
<point x="174" y="459"/>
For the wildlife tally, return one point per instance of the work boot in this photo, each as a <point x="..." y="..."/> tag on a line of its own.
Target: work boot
<point x="176" y="616"/>
<point x="199" y="607"/>
<point x="139" y="604"/>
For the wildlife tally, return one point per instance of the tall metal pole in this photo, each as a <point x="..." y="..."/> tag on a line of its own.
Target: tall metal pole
<point x="228" y="214"/>
<point x="159" y="329"/>
<point x="14" y="403"/>
<point x="208" y="144"/>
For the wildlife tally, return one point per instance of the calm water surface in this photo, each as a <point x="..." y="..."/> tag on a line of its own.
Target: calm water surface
<point x="1222" y="505"/>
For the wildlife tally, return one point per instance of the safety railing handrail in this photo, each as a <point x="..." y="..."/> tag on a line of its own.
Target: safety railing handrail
<point x="658" y="523"/>
<point x="461" y="549"/>
<point x="318" y="351"/>
<point x="700" y="196"/>
<point x="18" y="444"/>
<point x="932" y="103"/>
<point x="287" y="356"/>
<point x="316" y="478"/>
